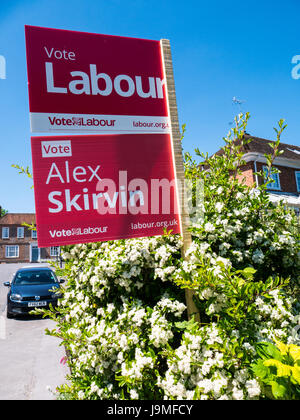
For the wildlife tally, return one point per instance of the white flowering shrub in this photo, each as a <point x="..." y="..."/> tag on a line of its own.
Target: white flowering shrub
<point x="244" y="266"/>
<point x="117" y="316"/>
<point x="122" y="317"/>
<point x="238" y="222"/>
<point x="205" y="367"/>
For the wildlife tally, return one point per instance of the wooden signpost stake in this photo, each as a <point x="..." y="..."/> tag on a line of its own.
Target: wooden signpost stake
<point x="178" y="163"/>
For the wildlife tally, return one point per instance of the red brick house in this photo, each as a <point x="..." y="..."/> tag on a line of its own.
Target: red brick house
<point x="18" y="243"/>
<point x="286" y="185"/>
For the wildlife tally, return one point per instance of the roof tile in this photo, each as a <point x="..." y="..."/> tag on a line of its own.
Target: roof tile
<point x="17" y="219"/>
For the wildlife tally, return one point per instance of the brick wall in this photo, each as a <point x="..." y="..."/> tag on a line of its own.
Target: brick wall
<point x="24" y="252"/>
<point x="247" y="176"/>
<point x="23" y="243"/>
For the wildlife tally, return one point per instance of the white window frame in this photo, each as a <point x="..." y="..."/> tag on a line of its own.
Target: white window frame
<point x="34" y="244"/>
<point x="33" y="234"/>
<point x="10" y="247"/>
<point x="297" y="180"/>
<point x="5" y="229"/>
<point x="270" y="186"/>
<point x="54" y="251"/>
<point x="20" y="229"/>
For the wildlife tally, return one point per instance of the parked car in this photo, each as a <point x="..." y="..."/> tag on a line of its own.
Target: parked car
<point x="32" y="287"/>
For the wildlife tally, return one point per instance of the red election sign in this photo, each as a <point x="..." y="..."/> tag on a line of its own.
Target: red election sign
<point x="91" y="188"/>
<point x="90" y="82"/>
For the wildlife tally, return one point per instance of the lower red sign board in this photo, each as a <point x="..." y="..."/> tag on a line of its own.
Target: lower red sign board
<point x="92" y="188"/>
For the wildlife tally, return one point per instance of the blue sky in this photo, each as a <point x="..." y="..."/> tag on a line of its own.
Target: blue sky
<point x="220" y="50"/>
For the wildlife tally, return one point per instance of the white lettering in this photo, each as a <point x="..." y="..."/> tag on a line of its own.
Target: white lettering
<point x="72" y="203"/>
<point x="58" y="204"/>
<point x="94" y="81"/>
<point x="60" y="54"/>
<point x="123" y="196"/>
<point x="101" y="83"/>
<point x="84" y="82"/>
<point x="96" y="198"/>
<point x="151" y="93"/>
<point x="94" y="173"/>
<point x="79" y="170"/>
<point x="159" y="87"/>
<point x="77" y="173"/>
<point x="49" y="54"/>
<point x="56" y="175"/>
<point x="111" y="203"/>
<point x="104" y="203"/>
<point x="56" y="148"/>
<point x="129" y="81"/>
<point x="67" y="171"/>
<point x="50" y="81"/>
<point x="141" y="197"/>
<point x="86" y="199"/>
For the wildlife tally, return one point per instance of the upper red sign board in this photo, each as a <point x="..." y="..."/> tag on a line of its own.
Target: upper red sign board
<point x="91" y="188"/>
<point x="89" y="82"/>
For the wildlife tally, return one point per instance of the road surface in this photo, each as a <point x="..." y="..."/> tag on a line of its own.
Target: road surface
<point x="29" y="359"/>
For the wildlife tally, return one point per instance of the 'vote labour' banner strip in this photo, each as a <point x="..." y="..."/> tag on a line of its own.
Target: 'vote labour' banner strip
<point x="90" y="82"/>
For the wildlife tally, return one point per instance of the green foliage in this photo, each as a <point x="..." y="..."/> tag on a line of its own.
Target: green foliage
<point x="278" y="368"/>
<point x="3" y="212"/>
<point x="22" y="170"/>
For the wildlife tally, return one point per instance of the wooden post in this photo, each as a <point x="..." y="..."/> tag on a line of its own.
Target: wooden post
<point x="178" y="163"/>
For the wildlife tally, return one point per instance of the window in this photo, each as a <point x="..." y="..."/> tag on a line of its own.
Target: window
<point x="20" y="232"/>
<point x="33" y="234"/>
<point x="5" y="233"/>
<point x="297" y="174"/>
<point x="54" y="251"/>
<point x="12" y="251"/>
<point x="275" y="184"/>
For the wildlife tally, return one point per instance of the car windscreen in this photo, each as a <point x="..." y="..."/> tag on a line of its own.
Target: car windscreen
<point x="35" y="277"/>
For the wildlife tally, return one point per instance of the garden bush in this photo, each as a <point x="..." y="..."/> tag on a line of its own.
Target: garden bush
<point x="123" y="319"/>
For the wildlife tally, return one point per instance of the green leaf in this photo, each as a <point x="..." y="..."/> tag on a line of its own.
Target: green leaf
<point x="282" y="369"/>
<point x="249" y="270"/>
<point x="260" y="370"/>
<point x="186" y="325"/>
<point x="296" y="374"/>
<point x="278" y="390"/>
<point x="268" y="351"/>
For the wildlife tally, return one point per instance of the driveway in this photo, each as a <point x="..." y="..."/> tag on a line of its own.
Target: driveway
<point x="29" y="359"/>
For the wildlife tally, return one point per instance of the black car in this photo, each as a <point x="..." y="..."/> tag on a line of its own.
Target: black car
<point x="32" y="287"/>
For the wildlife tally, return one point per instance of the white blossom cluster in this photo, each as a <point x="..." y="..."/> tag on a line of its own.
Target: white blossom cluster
<point x="109" y="344"/>
<point x="276" y="318"/>
<point x="246" y="236"/>
<point x="199" y="370"/>
<point x="109" y="331"/>
<point x="277" y="315"/>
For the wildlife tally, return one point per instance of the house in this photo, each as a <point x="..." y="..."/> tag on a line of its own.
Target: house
<point x="18" y="243"/>
<point x="286" y="184"/>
